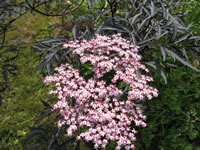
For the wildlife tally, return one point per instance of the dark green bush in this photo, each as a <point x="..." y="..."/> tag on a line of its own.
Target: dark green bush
<point x="173" y="118"/>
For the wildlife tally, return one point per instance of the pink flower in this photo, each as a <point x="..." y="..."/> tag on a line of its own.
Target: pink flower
<point x="94" y="104"/>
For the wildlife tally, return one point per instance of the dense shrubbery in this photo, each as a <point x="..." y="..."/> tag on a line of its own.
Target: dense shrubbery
<point x="173" y="118"/>
<point x="158" y="28"/>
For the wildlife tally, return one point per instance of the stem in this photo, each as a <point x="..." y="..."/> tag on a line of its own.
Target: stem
<point x="112" y="9"/>
<point x="98" y="17"/>
<point x="53" y="15"/>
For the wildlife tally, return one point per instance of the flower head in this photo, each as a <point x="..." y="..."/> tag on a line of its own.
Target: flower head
<point x="96" y="104"/>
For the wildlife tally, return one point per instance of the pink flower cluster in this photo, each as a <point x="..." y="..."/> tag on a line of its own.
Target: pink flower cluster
<point x="97" y="105"/>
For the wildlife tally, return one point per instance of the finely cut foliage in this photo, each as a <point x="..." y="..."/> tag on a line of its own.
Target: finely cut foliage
<point x="95" y="103"/>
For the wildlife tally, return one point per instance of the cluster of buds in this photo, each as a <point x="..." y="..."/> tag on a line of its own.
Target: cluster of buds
<point x="96" y="105"/>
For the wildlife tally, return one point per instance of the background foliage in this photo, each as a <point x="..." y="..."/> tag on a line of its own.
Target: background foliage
<point x="173" y="118"/>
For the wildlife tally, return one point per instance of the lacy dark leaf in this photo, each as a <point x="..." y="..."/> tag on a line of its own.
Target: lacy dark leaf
<point x="90" y="3"/>
<point x="42" y="116"/>
<point x="185" y="54"/>
<point x="68" y="142"/>
<point x="77" y="145"/>
<point x="32" y="136"/>
<point x="75" y="32"/>
<point x="46" y="104"/>
<point x="185" y="37"/>
<point x="99" y="28"/>
<point x="58" y="117"/>
<point x="194" y="38"/>
<point x="162" y="48"/>
<point x="38" y="130"/>
<point x="1" y="100"/>
<point x="182" y="60"/>
<point x="159" y="32"/>
<point x="33" y="146"/>
<point x="133" y="19"/>
<point x="52" y="48"/>
<point x="111" y="28"/>
<point x="157" y="68"/>
<point x="53" y="144"/>
<point x="146" y="42"/>
<point x="152" y="23"/>
<point x="174" y="33"/>
<point x="89" y="145"/>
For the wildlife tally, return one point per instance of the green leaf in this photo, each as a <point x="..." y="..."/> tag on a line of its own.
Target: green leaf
<point x="188" y="147"/>
<point x="111" y="145"/>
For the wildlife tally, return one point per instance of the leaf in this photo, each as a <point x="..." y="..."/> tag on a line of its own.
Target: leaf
<point x="112" y="28"/>
<point x="21" y="133"/>
<point x="124" y="92"/>
<point x="185" y="54"/>
<point x="65" y="55"/>
<point x="89" y="145"/>
<point x="46" y="104"/>
<point x="163" y="9"/>
<point x="75" y="32"/>
<point x="11" y="58"/>
<point x="159" y="32"/>
<point x="90" y="4"/>
<point x="119" y="18"/>
<point x="68" y="142"/>
<point x="53" y="144"/>
<point x="129" y="14"/>
<point x="72" y="101"/>
<point x="163" y="52"/>
<point x="33" y="146"/>
<point x="124" y="28"/>
<point x="185" y="37"/>
<point x="152" y="64"/>
<point x="32" y="136"/>
<point x="77" y="145"/>
<point x="171" y="65"/>
<point x="143" y="22"/>
<point x="174" y="32"/>
<point x="0" y="100"/>
<point x="77" y="60"/>
<point x="145" y="42"/>
<point x="49" y="57"/>
<point x="152" y="9"/>
<point x="134" y="18"/>
<point x="58" y="117"/>
<point x="41" y="65"/>
<point x="38" y="130"/>
<point x="163" y="75"/>
<point x="5" y="75"/>
<point x="133" y="38"/>
<point x="144" y="2"/>
<point x="147" y="12"/>
<point x="42" y="116"/>
<point x="194" y="38"/>
<point x="49" y="68"/>
<point x="173" y="54"/>
<point x="90" y="32"/>
<point x="57" y="57"/>
<point x="98" y="30"/>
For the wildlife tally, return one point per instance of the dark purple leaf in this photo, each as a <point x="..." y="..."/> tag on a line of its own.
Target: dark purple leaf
<point x="173" y="54"/>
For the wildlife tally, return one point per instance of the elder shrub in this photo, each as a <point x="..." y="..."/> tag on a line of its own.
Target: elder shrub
<point x="96" y="104"/>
